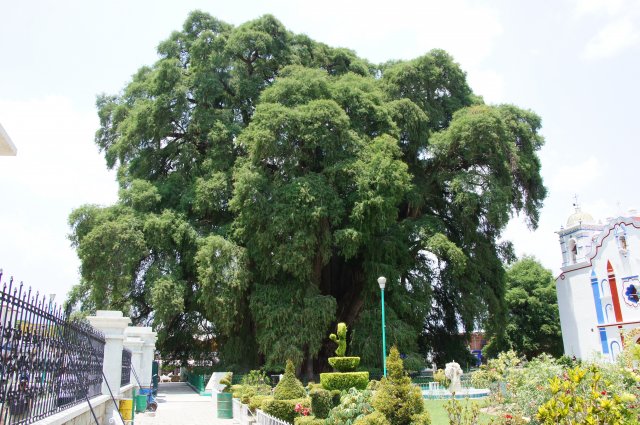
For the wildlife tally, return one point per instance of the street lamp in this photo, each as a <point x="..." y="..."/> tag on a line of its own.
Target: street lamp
<point x="381" y="282"/>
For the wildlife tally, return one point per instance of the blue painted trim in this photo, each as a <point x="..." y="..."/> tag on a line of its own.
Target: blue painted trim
<point x="599" y="313"/>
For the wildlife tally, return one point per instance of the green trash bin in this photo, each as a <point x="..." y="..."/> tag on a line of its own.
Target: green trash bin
<point x="141" y="402"/>
<point x="225" y="406"/>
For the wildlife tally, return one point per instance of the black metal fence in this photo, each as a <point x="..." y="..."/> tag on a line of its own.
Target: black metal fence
<point x="125" y="376"/>
<point x="48" y="363"/>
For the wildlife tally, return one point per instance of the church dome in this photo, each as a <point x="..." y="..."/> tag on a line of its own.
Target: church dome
<point x="579" y="217"/>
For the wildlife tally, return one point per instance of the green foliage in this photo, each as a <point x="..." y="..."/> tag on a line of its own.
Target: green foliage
<point x="344" y="364"/>
<point x="441" y="378"/>
<point x="373" y="385"/>
<point x="284" y="409"/>
<point x="257" y="401"/>
<point x="344" y="380"/>
<point x="289" y="387"/>
<point x="375" y="418"/>
<point x="267" y="179"/>
<point x="396" y="397"/>
<point x="340" y="338"/>
<point x="582" y="396"/>
<point x="226" y="381"/>
<point x="308" y="420"/>
<point x="353" y="405"/>
<point x="321" y="402"/>
<point x="255" y="378"/>
<point x="423" y="418"/>
<point x="533" y="324"/>
<point x="462" y="413"/>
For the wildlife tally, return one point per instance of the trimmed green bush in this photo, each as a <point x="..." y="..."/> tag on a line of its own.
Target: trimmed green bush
<point x="289" y="387"/>
<point x="284" y="409"/>
<point x="340" y="339"/>
<point x="257" y="401"/>
<point x="373" y="385"/>
<point x="321" y="403"/>
<point x="344" y="364"/>
<point x="344" y="381"/>
<point x="423" y="418"/>
<point x="335" y="397"/>
<point x="353" y="405"/>
<point x="308" y="420"/>
<point x="375" y="418"/>
<point x="396" y="397"/>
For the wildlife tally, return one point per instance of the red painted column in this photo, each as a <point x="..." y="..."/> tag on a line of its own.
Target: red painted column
<point x="614" y="292"/>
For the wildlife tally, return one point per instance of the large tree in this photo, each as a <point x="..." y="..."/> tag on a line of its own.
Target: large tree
<point x="268" y="179"/>
<point x="533" y="321"/>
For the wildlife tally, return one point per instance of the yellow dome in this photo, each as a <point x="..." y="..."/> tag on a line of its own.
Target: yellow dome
<point x="579" y="217"/>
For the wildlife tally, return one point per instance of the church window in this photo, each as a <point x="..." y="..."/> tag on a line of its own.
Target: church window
<point x="573" y="251"/>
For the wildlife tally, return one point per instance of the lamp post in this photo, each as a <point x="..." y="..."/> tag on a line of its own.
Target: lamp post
<point x="381" y="282"/>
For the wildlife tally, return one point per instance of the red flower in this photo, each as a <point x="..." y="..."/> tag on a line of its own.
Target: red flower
<point x="298" y="408"/>
<point x="603" y="392"/>
<point x="305" y="411"/>
<point x="508" y="416"/>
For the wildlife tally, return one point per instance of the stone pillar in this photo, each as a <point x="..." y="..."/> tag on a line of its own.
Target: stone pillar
<point x="112" y="325"/>
<point x="134" y="343"/>
<point x="148" y="349"/>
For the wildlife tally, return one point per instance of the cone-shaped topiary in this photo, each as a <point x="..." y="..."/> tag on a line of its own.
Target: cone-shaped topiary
<point x="340" y="339"/>
<point x="289" y="388"/>
<point x="396" y="397"/>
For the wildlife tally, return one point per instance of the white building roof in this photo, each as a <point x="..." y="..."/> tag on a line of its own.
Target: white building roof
<point x="7" y="148"/>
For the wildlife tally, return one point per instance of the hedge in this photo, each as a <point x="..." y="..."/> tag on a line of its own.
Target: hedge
<point x="321" y="403"/>
<point x="284" y="409"/>
<point x="344" y="381"/>
<point x="308" y="420"/>
<point x="344" y="364"/>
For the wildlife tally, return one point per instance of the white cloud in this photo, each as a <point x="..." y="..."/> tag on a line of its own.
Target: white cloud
<point x="577" y="176"/>
<point x="614" y="38"/>
<point x="610" y="7"/>
<point x="57" y="168"/>
<point x="488" y="84"/>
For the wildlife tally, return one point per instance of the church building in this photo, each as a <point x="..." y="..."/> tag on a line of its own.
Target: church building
<point x="598" y="289"/>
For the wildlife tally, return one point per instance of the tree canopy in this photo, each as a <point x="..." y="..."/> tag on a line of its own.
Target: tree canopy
<point x="533" y="321"/>
<point x="266" y="181"/>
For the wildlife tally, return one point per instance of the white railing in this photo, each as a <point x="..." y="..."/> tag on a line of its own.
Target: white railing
<point x="264" y="419"/>
<point x="241" y="413"/>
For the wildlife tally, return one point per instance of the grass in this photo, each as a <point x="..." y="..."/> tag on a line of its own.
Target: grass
<point x="439" y="414"/>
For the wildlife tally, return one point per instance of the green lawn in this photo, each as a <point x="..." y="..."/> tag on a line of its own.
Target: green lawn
<point x="439" y="414"/>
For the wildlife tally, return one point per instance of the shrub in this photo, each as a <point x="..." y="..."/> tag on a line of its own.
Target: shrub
<point x="308" y="420"/>
<point x="462" y="414"/>
<point x="397" y="398"/>
<point x="226" y="381"/>
<point x="353" y="405"/>
<point x="336" y="395"/>
<point x="340" y="339"/>
<point x="441" y="378"/>
<point x="289" y="387"/>
<point x="344" y="364"/>
<point x="344" y="381"/>
<point x="375" y="418"/>
<point x="284" y="409"/>
<point x="256" y="378"/>
<point x="320" y="403"/>
<point x="581" y="396"/>
<point x="423" y="419"/>
<point x="257" y="401"/>
<point x="373" y="385"/>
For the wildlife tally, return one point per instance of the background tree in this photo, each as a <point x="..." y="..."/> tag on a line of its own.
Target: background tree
<point x="267" y="180"/>
<point x="533" y="321"/>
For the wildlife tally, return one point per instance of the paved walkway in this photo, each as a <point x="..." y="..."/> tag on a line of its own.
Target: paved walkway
<point x="178" y="404"/>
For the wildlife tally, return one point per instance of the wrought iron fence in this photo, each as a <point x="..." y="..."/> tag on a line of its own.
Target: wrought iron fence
<point x="48" y="363"/>
<point x="125" y="376"/>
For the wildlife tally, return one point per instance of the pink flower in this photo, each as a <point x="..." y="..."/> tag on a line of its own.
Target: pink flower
<point x="305" y="411"/>
<point x="298" y="408"/>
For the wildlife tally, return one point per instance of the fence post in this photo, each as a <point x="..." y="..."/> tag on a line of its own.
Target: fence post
<point x="112" y="324"/>
<point x="134" y="344"/>
<point x="148" y="337"/>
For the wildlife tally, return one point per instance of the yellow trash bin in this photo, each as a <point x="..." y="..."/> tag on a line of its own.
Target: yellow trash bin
<point x="126" y="409"/>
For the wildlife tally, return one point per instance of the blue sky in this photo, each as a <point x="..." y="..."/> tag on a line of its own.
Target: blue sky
<point x="575" y="63"/>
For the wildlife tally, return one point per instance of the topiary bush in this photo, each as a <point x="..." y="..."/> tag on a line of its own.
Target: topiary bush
<point x="375" y="418"/>
<point x="344" y="364"/>
<point x="321" y="403"/>
<point x="257" y="401"/>
<point x="336" y="395"/>
<point x="345" y="380"/>
<point x="308" y="420"/>
<point x="289" y="387"/>
<point x="341" y="339"/>
<point x="396" y="397"/>
<point x="284" y="409"/>
<point x="353" y="405"/>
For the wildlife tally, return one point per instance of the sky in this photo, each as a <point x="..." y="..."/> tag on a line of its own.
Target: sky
<point x="573" y="62"/>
